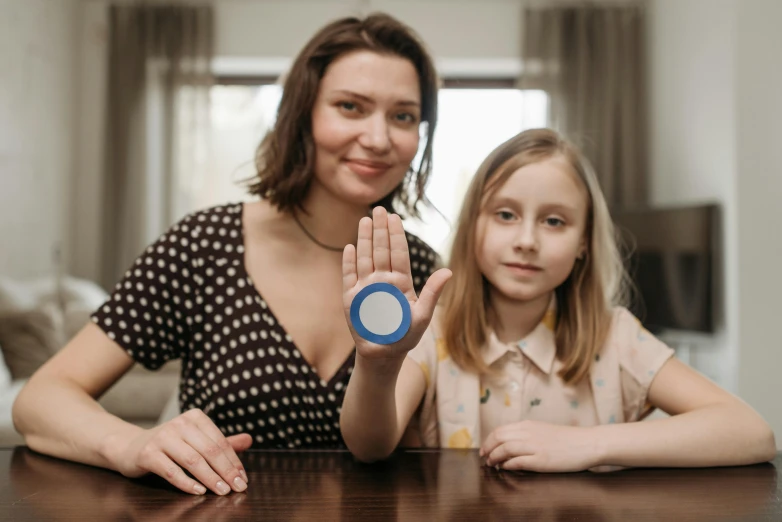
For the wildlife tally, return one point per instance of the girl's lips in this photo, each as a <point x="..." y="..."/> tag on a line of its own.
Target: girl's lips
<point x="521" y="268"/>
<point x="367" y="168"/>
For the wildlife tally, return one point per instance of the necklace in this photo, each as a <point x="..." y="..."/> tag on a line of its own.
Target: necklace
<point x="312" y="238"/>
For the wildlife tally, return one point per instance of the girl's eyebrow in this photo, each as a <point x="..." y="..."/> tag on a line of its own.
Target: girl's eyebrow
<point x="559" y="207"/>
<point x="502" y="201"/>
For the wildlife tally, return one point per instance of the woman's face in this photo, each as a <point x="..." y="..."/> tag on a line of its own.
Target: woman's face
<point x="365" y="125"/>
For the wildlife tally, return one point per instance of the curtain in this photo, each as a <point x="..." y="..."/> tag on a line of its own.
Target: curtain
<point x="590" y="59"/>
<point x="159" y="74"/>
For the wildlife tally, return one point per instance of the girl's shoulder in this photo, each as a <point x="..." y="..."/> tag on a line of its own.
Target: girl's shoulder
<point x="638" y="352"/>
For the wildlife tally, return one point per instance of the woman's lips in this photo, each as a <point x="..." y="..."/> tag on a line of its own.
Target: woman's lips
<point x="367" y="168"/>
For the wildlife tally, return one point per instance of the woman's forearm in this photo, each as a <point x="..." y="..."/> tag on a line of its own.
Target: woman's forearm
<point x="61" y="420"/>
<point x="719" y="435"/>
<point x="369" y="419"/>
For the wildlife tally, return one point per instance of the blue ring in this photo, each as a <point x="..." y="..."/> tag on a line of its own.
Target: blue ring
<point x="361" y="330"/>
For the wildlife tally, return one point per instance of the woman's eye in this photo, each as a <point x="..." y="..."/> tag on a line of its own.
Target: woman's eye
<point x="348" y="106"/>
<point x="554" y="222"/>
<point x="505" y="215"/>
<point x="406" y="117"/>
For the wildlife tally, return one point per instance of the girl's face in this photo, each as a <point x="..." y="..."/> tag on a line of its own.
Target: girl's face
<point x="532" y="229"/>
<point x="365" y="125"/>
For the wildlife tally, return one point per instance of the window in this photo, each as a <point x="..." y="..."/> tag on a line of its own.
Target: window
<point x="472" y="122"/>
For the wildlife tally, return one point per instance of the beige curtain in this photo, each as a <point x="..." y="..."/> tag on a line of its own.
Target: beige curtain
<point x="157" y="120"/>
<point x="590" y="59"/>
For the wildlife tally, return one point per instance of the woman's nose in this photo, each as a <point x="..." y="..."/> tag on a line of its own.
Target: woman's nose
<point x="375" y="135"/>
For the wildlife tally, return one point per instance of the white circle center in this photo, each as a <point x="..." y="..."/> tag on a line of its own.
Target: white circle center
<point x="381" y="313"/>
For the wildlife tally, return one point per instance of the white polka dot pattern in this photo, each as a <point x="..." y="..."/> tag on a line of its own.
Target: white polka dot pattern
<point x="189" y="297"/>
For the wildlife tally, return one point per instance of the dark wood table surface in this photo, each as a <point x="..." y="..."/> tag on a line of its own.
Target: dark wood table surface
<point x="413" y="485"/>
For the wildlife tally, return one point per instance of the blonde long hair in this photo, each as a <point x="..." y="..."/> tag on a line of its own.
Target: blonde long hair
<point x="584" y="301"/>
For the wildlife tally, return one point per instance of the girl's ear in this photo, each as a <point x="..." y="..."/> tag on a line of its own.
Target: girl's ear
<point x="582" y="249"/>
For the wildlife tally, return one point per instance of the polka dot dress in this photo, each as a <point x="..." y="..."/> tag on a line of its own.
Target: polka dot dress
<point x="189" y="297"/>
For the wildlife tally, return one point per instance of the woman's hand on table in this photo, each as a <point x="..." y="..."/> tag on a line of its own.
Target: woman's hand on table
<point x="188" y="443"/>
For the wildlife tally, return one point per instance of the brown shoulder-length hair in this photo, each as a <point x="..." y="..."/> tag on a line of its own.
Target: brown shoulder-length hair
<point x="286" y="156"/>
<point x="584" y="301"/>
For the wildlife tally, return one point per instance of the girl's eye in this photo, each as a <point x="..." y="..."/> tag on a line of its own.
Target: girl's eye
<point x="505" y="215"/>
<point x="554" y="222"/>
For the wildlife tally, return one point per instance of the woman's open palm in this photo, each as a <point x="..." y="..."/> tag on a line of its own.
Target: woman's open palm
<point x="381" y="256"/>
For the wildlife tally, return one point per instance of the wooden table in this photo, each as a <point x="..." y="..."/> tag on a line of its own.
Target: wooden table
<point x="415" y="485"/>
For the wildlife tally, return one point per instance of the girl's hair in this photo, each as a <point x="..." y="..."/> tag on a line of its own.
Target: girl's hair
<point x="584" y="301"/>
<point x="285" y="158"/>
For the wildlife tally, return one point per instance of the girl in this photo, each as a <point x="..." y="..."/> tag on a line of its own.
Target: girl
<point x="530" y="357"/>
<point x="248" y="295"/>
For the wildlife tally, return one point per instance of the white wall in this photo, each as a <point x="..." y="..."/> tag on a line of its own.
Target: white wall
<point x="759" y="190"/>
<point x="90" y="99"/>
<point x="37" y="56"/>
<point x="692" y="73"/>
<point x="277" y="28"/>
<point x="716" y="131"/>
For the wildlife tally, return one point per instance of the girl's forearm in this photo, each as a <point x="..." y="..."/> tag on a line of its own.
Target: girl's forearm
<point x="369" y="420"/>
<point x="63" y="421"/>
<point x="719" y="435"/>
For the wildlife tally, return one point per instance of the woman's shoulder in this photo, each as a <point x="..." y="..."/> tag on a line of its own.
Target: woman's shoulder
<point x="424" y="259"/>
<point x="211" y="224"/>
<point x="422" y="248"/>
<point x="214" y="216"/>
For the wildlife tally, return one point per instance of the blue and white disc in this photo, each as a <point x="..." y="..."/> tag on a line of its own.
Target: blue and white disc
<point x="380" y="313"/>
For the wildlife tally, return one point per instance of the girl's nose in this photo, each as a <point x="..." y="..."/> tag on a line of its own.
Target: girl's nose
<point x="527" y="236"/>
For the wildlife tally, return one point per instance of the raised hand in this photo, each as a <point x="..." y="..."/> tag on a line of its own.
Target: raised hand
<point x="381" y="256"/>
<point x="190" y="442"/>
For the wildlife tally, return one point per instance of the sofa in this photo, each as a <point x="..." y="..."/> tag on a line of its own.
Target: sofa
<point x="37" y="318"/>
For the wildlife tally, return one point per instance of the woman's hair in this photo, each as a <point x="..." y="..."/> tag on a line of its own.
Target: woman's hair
<point x="584" y="301"/>
<point x="285" y="158"/>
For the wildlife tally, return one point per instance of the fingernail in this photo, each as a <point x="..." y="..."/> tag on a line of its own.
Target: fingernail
<point x="240" y="484"/>
<point x="222" y="487"/>
<point x="199" y="489"/>
<point x="244" y="475"/>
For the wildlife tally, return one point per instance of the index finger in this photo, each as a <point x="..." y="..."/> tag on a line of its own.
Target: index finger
<point x="213" y="432"/>
<point x="495" y="438"/>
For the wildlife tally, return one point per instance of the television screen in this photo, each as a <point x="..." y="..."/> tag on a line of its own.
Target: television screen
<point x="672" y="260"/>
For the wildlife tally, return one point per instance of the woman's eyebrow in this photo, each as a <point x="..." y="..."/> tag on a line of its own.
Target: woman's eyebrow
<point x="367" y="99"/>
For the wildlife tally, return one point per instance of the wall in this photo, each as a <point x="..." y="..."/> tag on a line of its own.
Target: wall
<point x="278" y="29"/>
<point x="716" y="129"/>
<point x="693" y="143"/>
<point x="37" y="56"/>
<point x="759" y="194"/>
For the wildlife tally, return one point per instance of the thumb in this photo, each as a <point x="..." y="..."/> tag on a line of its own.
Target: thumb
<point x="240" y="442"/>
<point x="424" y="307"/>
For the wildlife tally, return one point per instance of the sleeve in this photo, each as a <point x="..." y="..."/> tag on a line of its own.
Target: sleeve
<point x="641" y="355"/>
<point x="425" y="418"/>
<point x="147" y="314"/>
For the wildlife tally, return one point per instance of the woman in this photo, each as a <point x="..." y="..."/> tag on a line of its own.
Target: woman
<point x="249" y="296"/>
